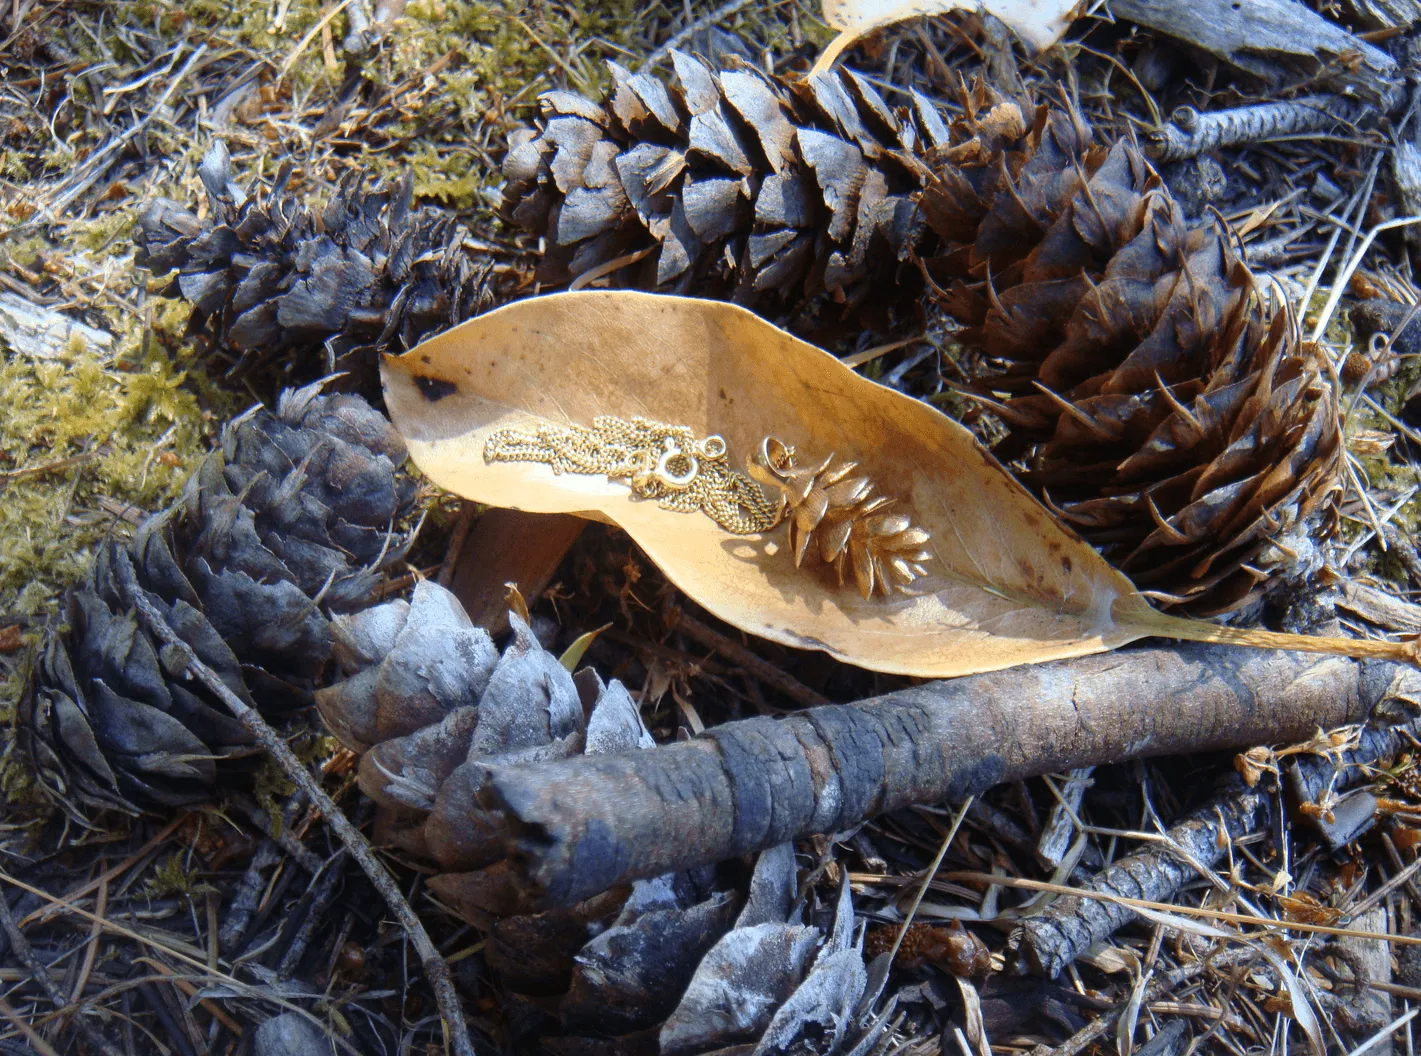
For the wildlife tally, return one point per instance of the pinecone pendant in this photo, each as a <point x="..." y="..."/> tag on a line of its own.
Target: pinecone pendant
<point x="853" y="528"/>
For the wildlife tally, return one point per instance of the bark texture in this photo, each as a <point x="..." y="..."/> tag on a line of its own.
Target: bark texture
<point x="1271" y="39"/>
<point x="582" y="825"/>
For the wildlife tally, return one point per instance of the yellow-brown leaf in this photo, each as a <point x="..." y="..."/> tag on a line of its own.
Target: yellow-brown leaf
<point x="1006" y="583"/>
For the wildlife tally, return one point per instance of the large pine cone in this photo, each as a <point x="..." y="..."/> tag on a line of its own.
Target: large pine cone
<point x="1157" y="405"/>
<point x="678" y="964"/>
<point x="733" y="184"/>
<point x="289" y="520"/>
<point x="274" y="280"/>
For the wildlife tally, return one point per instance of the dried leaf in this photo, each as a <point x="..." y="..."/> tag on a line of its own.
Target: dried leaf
<point x="1040" y="23"/>
<point x="572" y="655"/>
<point x="1006" y="584"/>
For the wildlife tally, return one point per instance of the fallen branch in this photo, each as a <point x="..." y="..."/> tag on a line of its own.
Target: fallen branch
<point x="42" y="333"/>
<point x="1274" y="40"/>
<point x="436" y="969"/>
<point x="579" y="826"/>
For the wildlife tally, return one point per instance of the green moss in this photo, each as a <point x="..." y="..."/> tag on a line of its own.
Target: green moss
<point x="102" y="231"/>
<point x="82" y="435"/>
<point x="174" y="875"/>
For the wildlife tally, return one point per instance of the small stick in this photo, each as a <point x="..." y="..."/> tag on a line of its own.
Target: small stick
<point x="96" y="933"/>
<point x="1190" y="133"/>
<point x="357" y="38"/>
<point x="751" y="663"/>
<point x="468" y="512"/>
<point x="451" y="1013"/>
<point x="1045" y="944"/>
<point x="1068" y="927"/>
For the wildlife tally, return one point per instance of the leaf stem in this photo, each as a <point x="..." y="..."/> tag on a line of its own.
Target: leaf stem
<point x="1167" y="626"/>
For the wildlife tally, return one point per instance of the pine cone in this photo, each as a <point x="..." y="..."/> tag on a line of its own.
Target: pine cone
<point x="1155" y="404"/>
<point x="735" y="184"/>
<point x="676" y="964"/>
<point x="853" y="526"/>
<point x="273" y="280"/>
<point x="291" y="516"/>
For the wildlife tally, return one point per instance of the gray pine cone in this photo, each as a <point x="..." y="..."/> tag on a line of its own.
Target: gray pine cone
<point x="293" y="517"/>
<point x="274" y="280"/>
<point x="675" y="964"/>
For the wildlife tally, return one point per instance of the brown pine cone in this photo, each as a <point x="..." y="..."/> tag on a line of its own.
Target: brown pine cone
<point x="289" y="520"/>
<point x="676" y="964"/>
<point x="273" y="280"/>
<point x="1154" y="398"/>
<point x="733" y="184"/>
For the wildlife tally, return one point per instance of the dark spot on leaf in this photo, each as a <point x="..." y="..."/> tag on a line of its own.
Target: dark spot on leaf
<point x="1066" y="563"/>
<point x="424" y="359"/>
<point x="435" y="389"/>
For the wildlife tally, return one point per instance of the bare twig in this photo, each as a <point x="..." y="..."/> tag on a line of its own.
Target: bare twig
<point x="752" y="664"/>
<point x="435" y="967"/>
<point x="1189" y="133"/>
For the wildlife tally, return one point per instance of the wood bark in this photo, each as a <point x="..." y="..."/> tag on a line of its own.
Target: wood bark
<point x="1270" y="38"/>
<point x="42" y="333"/>
<point x="578" y="826"/>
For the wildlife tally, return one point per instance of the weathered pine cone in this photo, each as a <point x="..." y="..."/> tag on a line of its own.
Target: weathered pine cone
<point x="290" y="519"/>
<point x="273" y="280"/>
<point x="1154" y="401"/>
<point x="678" y="964"/>
<point x="734" y="184"/>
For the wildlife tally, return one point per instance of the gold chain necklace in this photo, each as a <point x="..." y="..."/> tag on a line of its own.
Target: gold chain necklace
<point x="658" y="461"/>
<point x="852" y="530"/>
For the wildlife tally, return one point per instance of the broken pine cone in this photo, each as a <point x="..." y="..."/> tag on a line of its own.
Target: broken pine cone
<point x="680" y="963"/>
<point x="275" y="281"/>
<point x="734" y="184"/>
<point x="292" y="518"/>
